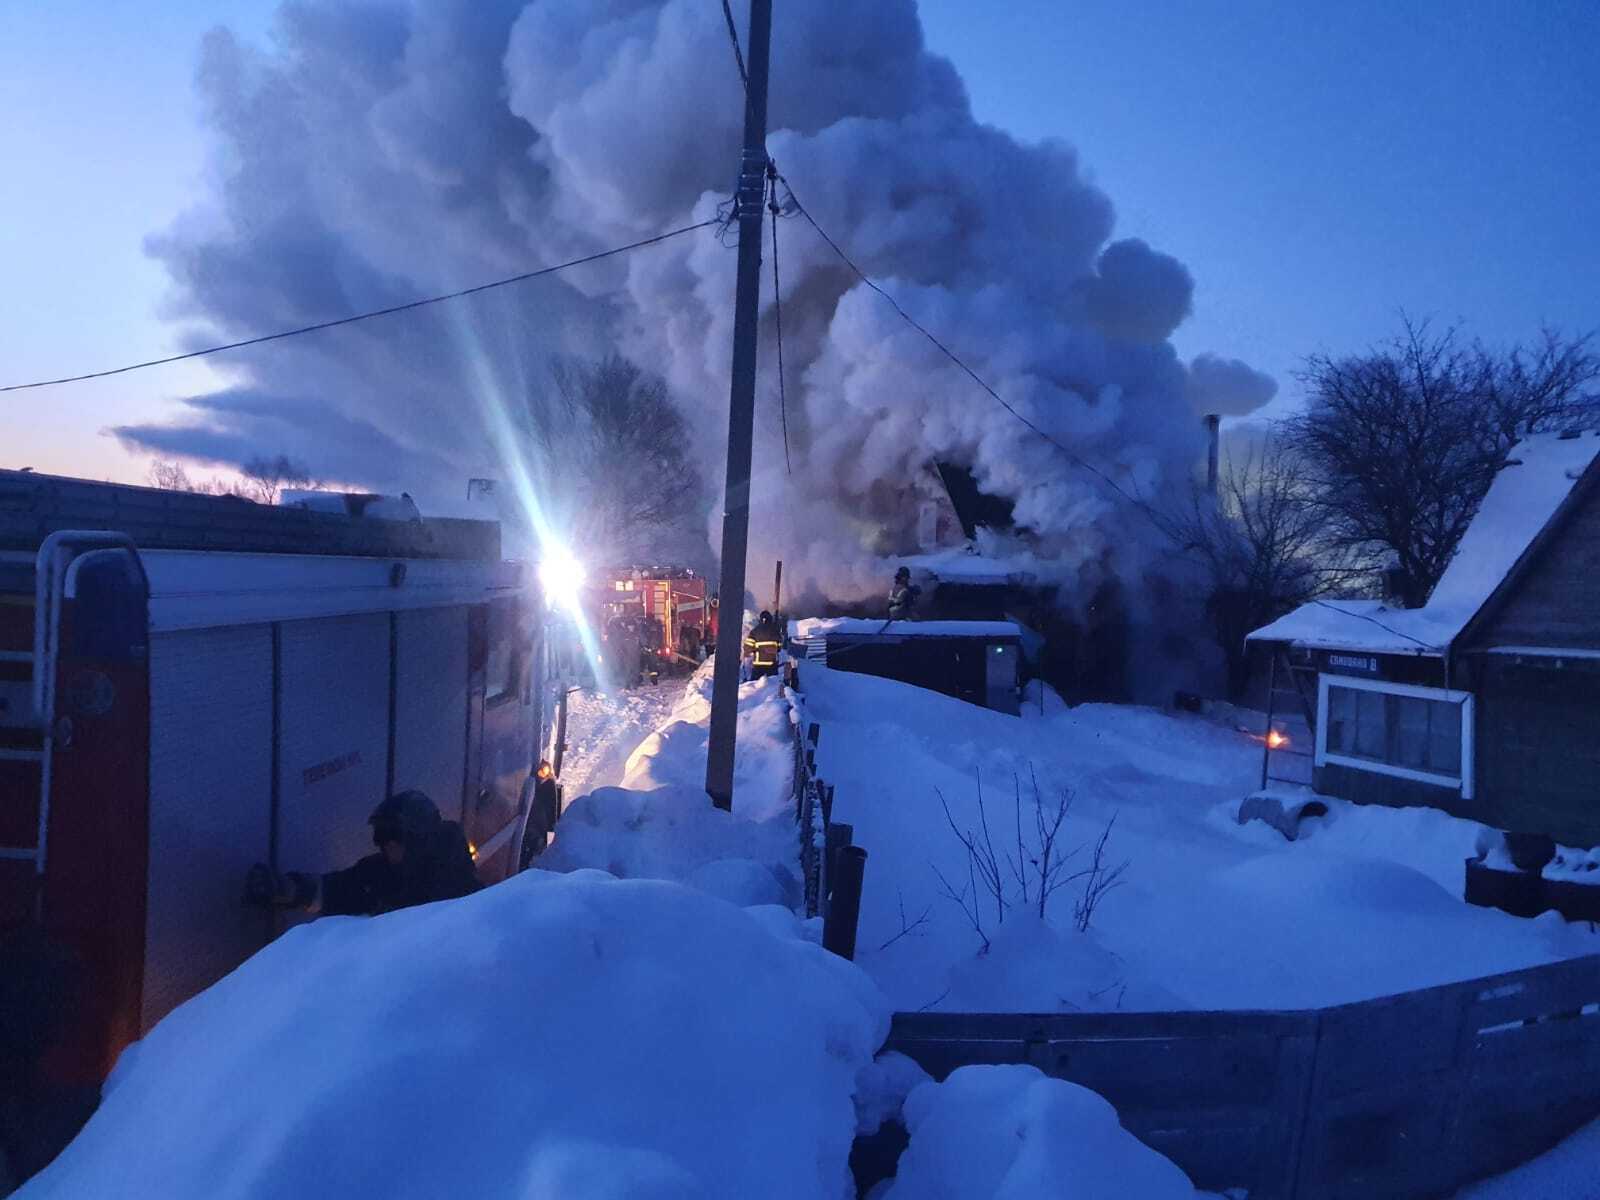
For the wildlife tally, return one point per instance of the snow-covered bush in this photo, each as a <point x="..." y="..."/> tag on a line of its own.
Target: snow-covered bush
<point x="1012" y="1133"/>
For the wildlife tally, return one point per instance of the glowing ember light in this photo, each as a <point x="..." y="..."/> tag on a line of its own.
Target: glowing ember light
<point x="1276" y="740"/>
<point x="562" y="576"/>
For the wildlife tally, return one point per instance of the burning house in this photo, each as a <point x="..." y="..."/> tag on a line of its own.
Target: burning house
<point x="1484" y="702"/>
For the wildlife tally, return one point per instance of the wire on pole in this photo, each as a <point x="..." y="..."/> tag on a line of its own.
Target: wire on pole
<point x="363" y="316"/>
<point x="777" y="309"/>
<point x="1072" y="455"/>
<point x="733" y="36"/>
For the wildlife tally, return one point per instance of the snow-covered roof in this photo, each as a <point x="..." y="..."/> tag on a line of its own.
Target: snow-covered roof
<point x="962" y="565"/>
<point x="1538" y="475"/>
<point x="811" y="627"/>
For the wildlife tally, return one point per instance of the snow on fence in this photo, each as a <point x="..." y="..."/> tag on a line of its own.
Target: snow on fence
<point x="813" y="803"/>
<point x="1406" y="1096"/>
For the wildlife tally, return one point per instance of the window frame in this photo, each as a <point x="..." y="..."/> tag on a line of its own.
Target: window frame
<point x="1465" y="700"/>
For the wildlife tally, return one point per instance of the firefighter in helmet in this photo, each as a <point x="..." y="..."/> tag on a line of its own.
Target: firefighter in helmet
<point x="903" y="596"/>
<point x="763" y="645"/>
<point x="421" y="858"/>
<point x="545" y="811"/>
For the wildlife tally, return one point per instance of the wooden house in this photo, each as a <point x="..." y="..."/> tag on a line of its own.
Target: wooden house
<point x="1485" y="702"/>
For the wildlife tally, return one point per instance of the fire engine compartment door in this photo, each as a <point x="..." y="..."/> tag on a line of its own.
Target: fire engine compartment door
<point x="210" y="806"/>
<point x="333" y="738"/>
<point x="430" y="706"/>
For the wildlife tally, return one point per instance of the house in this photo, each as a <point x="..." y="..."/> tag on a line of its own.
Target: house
<point x="1485" y="702"/>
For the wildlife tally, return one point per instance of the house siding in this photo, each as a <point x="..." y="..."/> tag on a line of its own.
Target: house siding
<point x="1539" y="750"/>
<point x="1371" y="787"/>
<point x="1557" y="602"/>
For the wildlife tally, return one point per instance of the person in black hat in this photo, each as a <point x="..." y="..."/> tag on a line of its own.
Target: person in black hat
<point x="421" y="858"/>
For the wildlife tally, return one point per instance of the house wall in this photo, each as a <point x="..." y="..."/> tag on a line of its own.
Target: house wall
<point x="1557" y="602"/>
<point x="1539" y="749"/>
<point x="1369" y="787"/>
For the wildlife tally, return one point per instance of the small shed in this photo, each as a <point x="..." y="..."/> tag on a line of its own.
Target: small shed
<point x="1485" y="702"/>
<point x="975" y="661"/>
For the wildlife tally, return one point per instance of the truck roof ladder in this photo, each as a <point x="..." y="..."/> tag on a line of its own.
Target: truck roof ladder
<point x="36" y="722"/>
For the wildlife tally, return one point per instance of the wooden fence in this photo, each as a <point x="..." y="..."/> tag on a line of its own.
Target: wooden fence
<point x="1406" y="1096"/>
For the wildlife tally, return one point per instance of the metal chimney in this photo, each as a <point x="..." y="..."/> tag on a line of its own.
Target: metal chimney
<point x="1213" y="425"/>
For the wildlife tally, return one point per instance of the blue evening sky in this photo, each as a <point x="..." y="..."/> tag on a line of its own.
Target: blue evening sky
<point x="1318" y="167"/>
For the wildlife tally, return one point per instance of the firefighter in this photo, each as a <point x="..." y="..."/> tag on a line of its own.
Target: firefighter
<point x="421" y="858"/>
<point x="762" y="645"/>
<point x="903" y="596"/>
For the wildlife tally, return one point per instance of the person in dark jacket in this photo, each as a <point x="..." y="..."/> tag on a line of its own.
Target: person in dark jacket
<point x="903" y="596"/>
<point x="421" y="858"/>
<point x="763" y="645"/>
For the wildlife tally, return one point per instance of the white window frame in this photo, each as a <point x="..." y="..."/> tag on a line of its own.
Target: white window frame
<point x="1466" y="701"/>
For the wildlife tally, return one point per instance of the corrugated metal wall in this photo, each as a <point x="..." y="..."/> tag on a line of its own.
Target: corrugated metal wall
<point x="210" y="806"/>
<point x="430" y="735"/>
<point x="333" y="751"/>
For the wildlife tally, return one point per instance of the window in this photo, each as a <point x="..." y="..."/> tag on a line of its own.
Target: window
<point x="1397" y="729"/>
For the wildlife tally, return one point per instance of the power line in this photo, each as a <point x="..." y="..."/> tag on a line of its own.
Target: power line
<point x="733" y="36"/>
<point x="777" y="309"/>
<point x="1345" y="612"/>
<point x="365" y="316"/>
<point x="1073" y="456"/>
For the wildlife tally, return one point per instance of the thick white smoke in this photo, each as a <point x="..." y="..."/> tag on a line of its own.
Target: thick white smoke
<point x="376" y="152"/>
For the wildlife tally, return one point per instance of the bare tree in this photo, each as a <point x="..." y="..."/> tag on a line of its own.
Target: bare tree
<point x="1258" y="544"/>
<point x="618" y="450"/>
<point x="1401" y="443"/>
<point x="175" y="477"/>
<point x="266" y="478"/>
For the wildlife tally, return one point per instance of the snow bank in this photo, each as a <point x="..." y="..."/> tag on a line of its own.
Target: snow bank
<point x="661" y="825"/>
<point x="1571" y="1170"/>
<point x="1210" y="914"/>
<point x="572" y="1036"/>
<point x="1011" y="1133"/>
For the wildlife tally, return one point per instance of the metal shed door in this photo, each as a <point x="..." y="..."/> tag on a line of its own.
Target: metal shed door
<point x="210" y="806"/>
<point x="430" y="714"/>
<point x="333" y="749"/>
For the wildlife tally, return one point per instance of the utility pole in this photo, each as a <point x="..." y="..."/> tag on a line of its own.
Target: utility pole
<point x="741" y="417"/>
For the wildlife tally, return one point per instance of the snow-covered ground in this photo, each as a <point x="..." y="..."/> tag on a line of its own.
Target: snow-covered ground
<point x="600" y="1035"/>
<point x="659" y="823"/>
<point x="1209" y="914"/>
<point x="603" y="728"/>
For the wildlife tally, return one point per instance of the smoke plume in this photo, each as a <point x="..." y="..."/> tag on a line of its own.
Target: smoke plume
<point x="374" y="152"/>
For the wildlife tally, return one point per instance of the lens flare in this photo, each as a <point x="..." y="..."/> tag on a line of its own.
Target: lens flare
<point x="562" y="576"/>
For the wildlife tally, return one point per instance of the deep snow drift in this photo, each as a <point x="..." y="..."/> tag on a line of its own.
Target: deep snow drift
<point x="1011" y="1133"/>
<point x="660" y="825"/>
<point x="1210" y="914"/>
<point x="572" y="1036"/>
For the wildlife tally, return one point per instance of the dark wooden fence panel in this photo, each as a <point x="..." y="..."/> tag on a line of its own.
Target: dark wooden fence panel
<point x="1405" y="1096"/>
<point x="1219" y="1093"/>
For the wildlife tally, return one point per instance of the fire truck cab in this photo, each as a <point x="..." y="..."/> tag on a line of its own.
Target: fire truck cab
<point x="192" y="684"/>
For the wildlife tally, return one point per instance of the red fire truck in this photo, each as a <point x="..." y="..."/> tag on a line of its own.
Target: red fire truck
<point x="670" y="609"/>
<point x="192" y="684"/>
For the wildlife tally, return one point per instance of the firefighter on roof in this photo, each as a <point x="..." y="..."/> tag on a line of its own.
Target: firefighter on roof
<point x="421" y="858"/>
<point x="762" y="645"/>
<point x="903" y="596"/>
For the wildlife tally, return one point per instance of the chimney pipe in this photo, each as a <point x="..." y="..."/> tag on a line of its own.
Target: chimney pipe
<point x="1213" y="424"/>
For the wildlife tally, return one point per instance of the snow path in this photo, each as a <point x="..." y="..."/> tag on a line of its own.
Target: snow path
<point x="604" y="728"/>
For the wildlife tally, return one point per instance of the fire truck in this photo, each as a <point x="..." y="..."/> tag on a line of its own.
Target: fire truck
<point x="192" y="684"/>
<point x="669" y="609"/>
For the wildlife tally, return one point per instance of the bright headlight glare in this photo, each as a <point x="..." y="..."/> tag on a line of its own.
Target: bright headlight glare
<point x="562" y="576"/>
